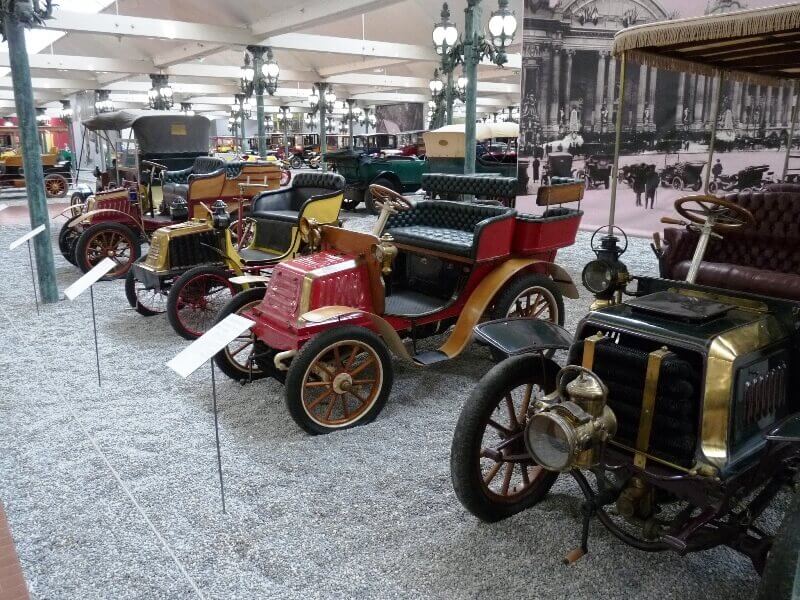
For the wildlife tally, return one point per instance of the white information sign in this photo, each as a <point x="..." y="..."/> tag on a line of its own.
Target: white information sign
<point x="208" y="344"/>
<point x="28" y="236"/>
<point x="91" y="277"/>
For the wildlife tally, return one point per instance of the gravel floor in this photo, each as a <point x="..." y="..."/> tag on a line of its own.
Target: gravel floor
<point x="112" y="492"/>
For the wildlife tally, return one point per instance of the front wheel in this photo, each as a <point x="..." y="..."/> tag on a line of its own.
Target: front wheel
<point x="55" y="185"/>
<point x="108" y="240"/>
<point x="492" y="472"/>
<point x="148" y="302"/>
<point x="677" y="183"/>
<point x="780" y="574"/>
<point x="67" y="239"/>
<point x="246" y="358"/>
<point x="341" y="378"/>
<point x="296" y="162"/>
<point x="196" y="298"/>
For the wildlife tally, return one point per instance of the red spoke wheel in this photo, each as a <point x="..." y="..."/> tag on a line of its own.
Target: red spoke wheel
<point x="108" y="240"/>
<point x="196" y="298"/>
<point x="148" y="302"/>
<point x="339" y="379"/>
<point x="493" y="474"/>
<point x="246" y="358"/>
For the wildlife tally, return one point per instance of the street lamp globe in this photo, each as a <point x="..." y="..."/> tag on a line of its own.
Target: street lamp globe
<point x="445" y="33"/>
<point x="462" y="83"/>
<point x="436" y="86"/>
<point x="330" y="99"/>
<point x="502" y="25"/>
<point x="313" y="99"/>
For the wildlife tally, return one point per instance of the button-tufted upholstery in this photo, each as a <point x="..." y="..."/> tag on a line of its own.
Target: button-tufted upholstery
<point x="763" y="258"/>
<point x="503" y="189"/>
<point x="176" y="183"/>
<point x="285" y="204"/>
<point x="443" y="226"/>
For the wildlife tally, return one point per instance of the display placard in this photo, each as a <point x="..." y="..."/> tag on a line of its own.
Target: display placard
<point x="91" y="277"/>
<point x="208" y="344"/>
<point x="28" y="236"/>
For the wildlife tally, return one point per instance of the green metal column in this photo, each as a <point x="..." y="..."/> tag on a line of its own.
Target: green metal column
<point x="258" y="90"/>
<point x="323" y="136"/>
<point x="284" y="112"/>
<point x="350" y="104"/>
<point x="449" y="97"/>
<point x="473" y="16"/>
<point x="31" y="157"/>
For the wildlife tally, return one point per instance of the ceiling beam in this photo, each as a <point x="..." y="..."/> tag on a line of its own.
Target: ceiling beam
<point x="361" y="65"/>
<point x="311" y="14"/>
<point x="185" y="52"/>
<point x="50" y="83"/>
<point x="307" y="42"/>
<point x="84" y="63"/>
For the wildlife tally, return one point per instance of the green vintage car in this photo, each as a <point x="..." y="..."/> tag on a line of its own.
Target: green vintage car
<point x="402" y="174"/>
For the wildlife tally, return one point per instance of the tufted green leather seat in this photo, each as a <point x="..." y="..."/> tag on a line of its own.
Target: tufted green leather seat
<point x="482" y="186"/>
<point x="444" y="226"/>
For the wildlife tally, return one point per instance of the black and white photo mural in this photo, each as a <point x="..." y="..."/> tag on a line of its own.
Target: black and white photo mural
<point x="570" y="102"/>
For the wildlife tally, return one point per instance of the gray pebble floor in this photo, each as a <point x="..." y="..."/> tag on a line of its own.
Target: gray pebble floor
<point x="112" y="492"/>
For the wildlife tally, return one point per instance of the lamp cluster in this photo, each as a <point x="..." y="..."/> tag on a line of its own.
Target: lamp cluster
<point x="102" y="102"/>
<point x="258" y="75"/>
<point x="160" y="96"/>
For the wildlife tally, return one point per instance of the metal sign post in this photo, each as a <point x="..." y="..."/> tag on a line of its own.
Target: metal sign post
<point x="26" y="239"/>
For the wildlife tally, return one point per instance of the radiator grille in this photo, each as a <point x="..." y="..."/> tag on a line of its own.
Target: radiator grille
<point x="191" y="250"/>
<point x="761" y="396"/>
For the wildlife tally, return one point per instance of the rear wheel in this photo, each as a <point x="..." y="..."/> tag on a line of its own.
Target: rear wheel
<point x="677" y="183"/>
<point x="492" y="472"/>
<point x="108" y="240"/>
<point x="55" y="185"/>
<point x="195" y="299"/>
<point x="246" y="358"/>
<point x="296" y="162"/>
<point x="68" y="239"/>
<point x="341" y="378"/>
<point x="370" y="201"/>
<point x="75" y="203"/>
<point x="147" y="301"/>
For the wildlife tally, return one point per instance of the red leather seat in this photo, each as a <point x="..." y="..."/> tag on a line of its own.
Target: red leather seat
<point x="762" y="259"/>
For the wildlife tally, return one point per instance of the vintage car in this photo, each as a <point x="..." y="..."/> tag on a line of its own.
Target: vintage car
<point x="755" y="177"/>
<point x="682" y="175"/>
<point x="445" y="148"/>
<point x="375" y="143"/>
<point x="596" y="171"/>
<point x="327" y="322"/>
<point x="412" y="143"/>
<point x="165" y="159"/>
<point x="402" y="174"/>
<point x="675" y="412"/>
<point x="57" y="173"/>
<point x="189" y="266"/>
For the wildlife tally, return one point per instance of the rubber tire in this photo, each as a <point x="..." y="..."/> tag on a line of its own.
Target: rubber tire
<point x="370" y="203"/>
<point x="296" y="162"/>
<point x="80" y="247"/>
<point x="65" y="245"/>
<point x="492" y="387"/>
<point x="356" y="197"/>
<point x="63" y="179"/>
<point x="778" y="580"/>
<point x="175" y="290"/>
<point x="304" y="358"/>
<point x="76" y="200"/>
<point x="130" y="295"/>
<point x="677" y="183"/>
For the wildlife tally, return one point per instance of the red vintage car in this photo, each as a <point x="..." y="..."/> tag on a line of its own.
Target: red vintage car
<point x="327" y="322"/>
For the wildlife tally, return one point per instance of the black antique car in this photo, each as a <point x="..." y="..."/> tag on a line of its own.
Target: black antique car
<point x="596" y="171"/>
<point x="675" y="411"/>
<point x="682" y="175"/>
<point x="755" y="177"/>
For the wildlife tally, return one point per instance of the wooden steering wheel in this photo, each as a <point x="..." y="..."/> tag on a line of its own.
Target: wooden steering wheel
<point x="384" y="196"/>
<point x="726" y="215"/>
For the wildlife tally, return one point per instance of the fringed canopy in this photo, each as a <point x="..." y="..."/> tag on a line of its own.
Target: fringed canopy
<point x="755" y="46"/>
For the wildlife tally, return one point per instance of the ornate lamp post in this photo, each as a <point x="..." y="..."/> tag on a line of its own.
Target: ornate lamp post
<point x="262" y="76"/>
<point x="102" y="102"/>
<point x="241" y="109"/>
<point x="14" y="18"/>
<point x="160" y="96"/>
<point x="285" y="117"/>
<point x="354" y="114"/>
<point x="445" y="38"/>
<point x="322" y="100"/>
<point x="65" y="114"/>
<point x="471" y="50"/>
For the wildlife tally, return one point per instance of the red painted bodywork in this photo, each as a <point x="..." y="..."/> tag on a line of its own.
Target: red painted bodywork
<point x="340" y="279"/>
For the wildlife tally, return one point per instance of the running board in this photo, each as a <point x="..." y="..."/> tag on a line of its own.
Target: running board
<point x="430" y="357"/>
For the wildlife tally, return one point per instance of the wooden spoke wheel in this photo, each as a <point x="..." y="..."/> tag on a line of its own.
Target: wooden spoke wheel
<point x="108" y="240"/>
<point x="246" y="358"/>
<point x="493" y="474"/>
<point x="196" y="298"/>
<point x="340" y="378"/>
<point x="55" y="185"/>
<point x="147" y="301"/>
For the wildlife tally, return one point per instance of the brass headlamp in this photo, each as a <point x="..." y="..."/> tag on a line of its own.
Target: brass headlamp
<point x="568" y="429"/>
<point x="310" y="233"/>
<point x="385" y="253"/>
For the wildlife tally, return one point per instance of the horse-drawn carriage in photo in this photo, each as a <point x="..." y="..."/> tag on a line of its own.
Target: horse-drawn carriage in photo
<point x="675" y="412"/>
<point x="327" y="323"/>
<point x="160" y="174"/>
<point x="683" y="175"/>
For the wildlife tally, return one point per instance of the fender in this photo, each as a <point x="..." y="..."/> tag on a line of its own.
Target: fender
<point x="88" y="215"/>
<point x="561" y="278"/>
<point x="391" y="176"/>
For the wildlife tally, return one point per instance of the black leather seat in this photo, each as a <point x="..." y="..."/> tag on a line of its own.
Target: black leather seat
<point x="284" y="205"/>
<point x="176" y="183"/>
<point x="444" y="226"/>
<point x="492" y="187"/>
